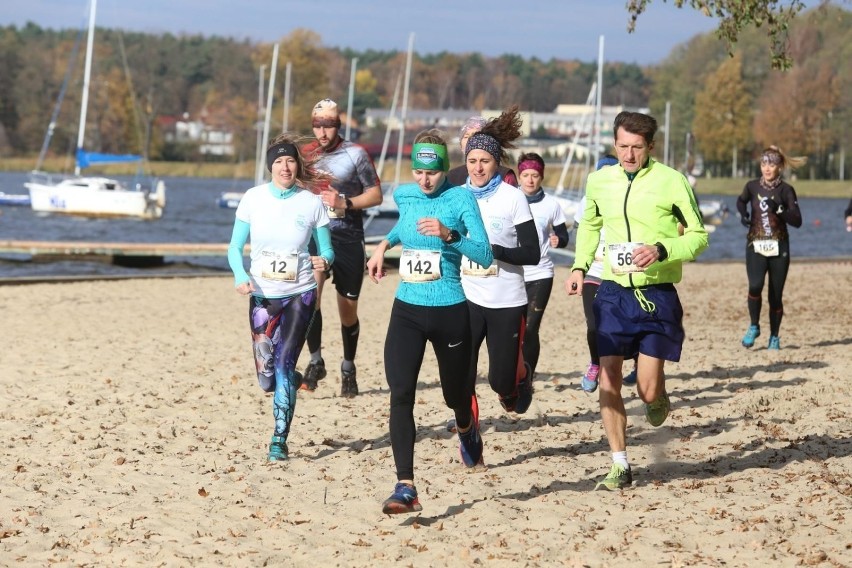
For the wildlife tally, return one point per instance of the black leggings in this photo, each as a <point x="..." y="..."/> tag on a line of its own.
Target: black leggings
<point x="502" y="329"/>
<point x="757" y="266"/>
<point x="538" y="294"/>
<point x="590" y="290"/>
<point x="410" y="327"/>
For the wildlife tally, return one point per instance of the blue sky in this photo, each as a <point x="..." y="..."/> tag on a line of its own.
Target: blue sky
<point x="564" y="29"/>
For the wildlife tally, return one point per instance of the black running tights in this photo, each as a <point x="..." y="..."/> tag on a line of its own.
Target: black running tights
<point x="410" y="327"/>
<point x="757" y="267"/>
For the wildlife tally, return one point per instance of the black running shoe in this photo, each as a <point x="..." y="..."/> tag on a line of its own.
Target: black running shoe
<point x="525" y="391"/>
<point x="313" y="373"/>
<point x="349" y="389"/>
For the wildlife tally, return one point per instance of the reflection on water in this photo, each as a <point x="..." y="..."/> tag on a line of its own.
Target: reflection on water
<point x="192" y="216"/>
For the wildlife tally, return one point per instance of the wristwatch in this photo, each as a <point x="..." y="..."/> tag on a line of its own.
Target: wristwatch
<point x="348" y="203"/>
<point x="662" y="252"/>
<point x="453" y="237"/>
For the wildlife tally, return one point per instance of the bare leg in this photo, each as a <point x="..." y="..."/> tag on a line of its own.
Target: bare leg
<point x="650" y="378"/>
<point x="612" y="405"/>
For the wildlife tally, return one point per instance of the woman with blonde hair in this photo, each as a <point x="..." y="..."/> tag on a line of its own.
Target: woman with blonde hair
<point x="774" y="206"/>
<point x="281" y="216"/>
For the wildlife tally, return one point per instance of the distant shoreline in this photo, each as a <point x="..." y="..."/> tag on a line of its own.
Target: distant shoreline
<point x="245" y="171"/>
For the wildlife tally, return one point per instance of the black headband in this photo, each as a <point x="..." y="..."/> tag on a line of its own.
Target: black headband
<point x="282" y="149"/>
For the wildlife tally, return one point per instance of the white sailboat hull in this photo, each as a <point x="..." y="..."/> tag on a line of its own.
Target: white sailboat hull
<point x="229" y="199"/>
<point x="714" y="212"/>
<point x="96" y="197"/>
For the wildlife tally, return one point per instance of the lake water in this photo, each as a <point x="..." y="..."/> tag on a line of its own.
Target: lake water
<point x="192" y="216"/>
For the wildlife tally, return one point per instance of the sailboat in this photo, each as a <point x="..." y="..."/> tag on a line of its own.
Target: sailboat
<point x="94" y="196"/>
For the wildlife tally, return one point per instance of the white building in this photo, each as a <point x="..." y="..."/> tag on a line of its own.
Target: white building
<point x="211" y="140"/>
<point x="566" y="122"/>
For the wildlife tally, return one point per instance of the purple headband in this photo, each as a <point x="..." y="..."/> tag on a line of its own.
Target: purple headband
<point x="480" y="141"/>
<point x="531" y="165"/>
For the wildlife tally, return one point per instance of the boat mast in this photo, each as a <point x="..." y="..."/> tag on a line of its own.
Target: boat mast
<point x="404" y="110"/>
<point x="351" y="97"/>
<point x="87" y="74"/>
<point x="261" y="175"/>
<point x="388" y="126"/>
<point x="598" y="98"/>
<point x="286" y="121"/>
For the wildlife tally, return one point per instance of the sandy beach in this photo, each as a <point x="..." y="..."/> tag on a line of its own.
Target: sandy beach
<point x="134" y="434"/>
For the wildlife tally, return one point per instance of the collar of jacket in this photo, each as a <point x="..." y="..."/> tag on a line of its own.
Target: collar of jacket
<point x="640" y="171"/>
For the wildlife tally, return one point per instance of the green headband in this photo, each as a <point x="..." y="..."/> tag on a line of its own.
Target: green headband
<point x="429" y="157"/>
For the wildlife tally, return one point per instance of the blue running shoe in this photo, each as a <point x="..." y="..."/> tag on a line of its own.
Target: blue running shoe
<point x="402" y="500"/>
<point x="774" y="343"/>
<point x="278" y="450"/>
<point x="589" y="382"/>
<point x="525" y="391"/>
<point x="630" y="379"/>
<point x="751" y="334"/>
<point x="470" y="446"/>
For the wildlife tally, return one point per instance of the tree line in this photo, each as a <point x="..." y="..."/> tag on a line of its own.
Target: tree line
<point x="727" y="96"/>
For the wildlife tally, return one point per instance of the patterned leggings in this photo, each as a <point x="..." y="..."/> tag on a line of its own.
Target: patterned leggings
<point x="278" y="330"/>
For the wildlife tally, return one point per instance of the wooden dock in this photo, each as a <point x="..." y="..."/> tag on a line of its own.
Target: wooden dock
<point x="58" y="248"/>
<point x="133" y="255"/>
<point x="136" y="254"/>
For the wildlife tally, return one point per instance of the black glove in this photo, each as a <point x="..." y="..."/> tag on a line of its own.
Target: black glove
<point x="772" y="205"/>
<point x="745" y="221"/>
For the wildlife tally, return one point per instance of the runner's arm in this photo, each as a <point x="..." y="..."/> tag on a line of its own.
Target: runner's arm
<point x="322" y="236"/>
<point x="742" y="207"/>
<point x="528" y="250"/>
<point x="239" y="237"/>
<point x="474" y="244"/>
<point x="561" y="232"/>
<point x="791" y="214"/>
<point x="371" y="197"/>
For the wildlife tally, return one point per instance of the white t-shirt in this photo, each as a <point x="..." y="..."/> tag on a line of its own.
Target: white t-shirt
<point x="501" y="212"/>
<point x="280" y="230"/>
<point x="547" y="213"/>
<point x="597" y="267"/>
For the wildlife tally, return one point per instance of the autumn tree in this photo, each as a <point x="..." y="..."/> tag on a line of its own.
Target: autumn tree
<point x="675" y="82"/>
<point x="796" y="111"/>
<point x="723" y="114"/>
<point x="735" y="15"/>
<point x="309" y="77"/>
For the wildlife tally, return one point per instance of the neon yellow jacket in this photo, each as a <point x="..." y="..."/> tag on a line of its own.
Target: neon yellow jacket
<point x="647" y="210"/>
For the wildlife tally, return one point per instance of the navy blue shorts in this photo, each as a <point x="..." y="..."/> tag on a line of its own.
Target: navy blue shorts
<point x="624" y="328"/>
